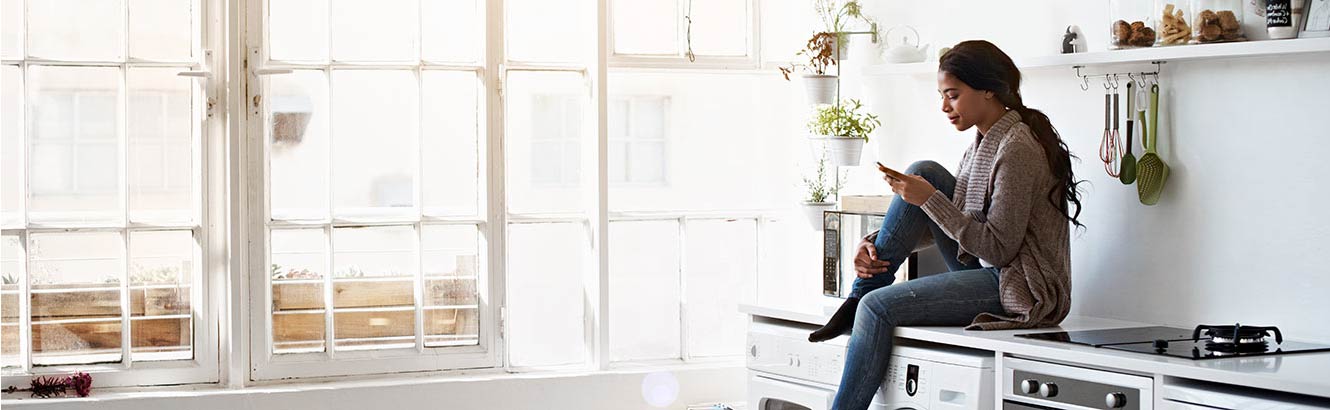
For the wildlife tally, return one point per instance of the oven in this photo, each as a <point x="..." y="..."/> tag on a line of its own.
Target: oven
<point x="1028" y="384"/>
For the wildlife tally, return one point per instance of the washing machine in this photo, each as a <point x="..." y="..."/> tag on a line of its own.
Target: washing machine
<point x="936" y="377"/>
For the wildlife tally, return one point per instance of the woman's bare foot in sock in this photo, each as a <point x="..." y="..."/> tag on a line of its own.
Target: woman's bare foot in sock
<point x="840" y="322"/>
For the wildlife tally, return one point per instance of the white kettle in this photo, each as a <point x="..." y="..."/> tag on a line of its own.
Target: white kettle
<point x="904" y="52"/>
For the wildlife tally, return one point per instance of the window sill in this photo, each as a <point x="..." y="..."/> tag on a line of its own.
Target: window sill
<point x="378" y="387"/>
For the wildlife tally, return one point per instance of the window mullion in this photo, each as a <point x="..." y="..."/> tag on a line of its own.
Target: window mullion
<point x="126" y="330"/>
<point x="329" y="319"/>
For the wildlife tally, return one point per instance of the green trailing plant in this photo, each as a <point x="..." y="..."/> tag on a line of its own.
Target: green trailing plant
<point x="819" y="51"/>
<point x="819" y="189"/>
<point x="10" y="279"/>
<point x="843" y="120"/>
<point x="837" y="16"/>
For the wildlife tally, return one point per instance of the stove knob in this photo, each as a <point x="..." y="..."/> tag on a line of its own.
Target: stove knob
<point x="1115" y="400"/>
<point x="1160" y="344"/>
<point x="911" y="387"/>
<point x="1029" y="386"/>
<point x="1048" y="390"/>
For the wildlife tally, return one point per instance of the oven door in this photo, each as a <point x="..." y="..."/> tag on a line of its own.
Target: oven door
<point x="765" y="393"/>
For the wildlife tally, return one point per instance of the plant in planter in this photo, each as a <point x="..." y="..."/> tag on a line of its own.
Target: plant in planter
<point x="844" y="129"/>
<point x="818" y="84"/>
<point x="821" y="193"/>
<point x="837" y="18"/>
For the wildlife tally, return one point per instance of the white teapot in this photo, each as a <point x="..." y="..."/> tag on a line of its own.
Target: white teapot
<point x="904" y="52"/>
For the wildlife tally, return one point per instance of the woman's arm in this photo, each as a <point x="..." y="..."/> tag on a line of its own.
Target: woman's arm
<point x="1019" y="172"/>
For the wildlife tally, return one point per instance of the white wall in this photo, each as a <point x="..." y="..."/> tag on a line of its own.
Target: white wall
<point x="1239" y="234"/>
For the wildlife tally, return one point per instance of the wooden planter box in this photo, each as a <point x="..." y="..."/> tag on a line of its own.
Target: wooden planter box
<point x="299" y="320"/>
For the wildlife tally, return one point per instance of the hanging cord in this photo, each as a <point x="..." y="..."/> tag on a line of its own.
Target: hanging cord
<point x="688" y="30"/>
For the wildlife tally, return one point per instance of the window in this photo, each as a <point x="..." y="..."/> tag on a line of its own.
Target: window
<point x="104" y="233"/>
<point x="656" y="32"/>
<point x="373" y="241"/>
<point x="637" y="140"/>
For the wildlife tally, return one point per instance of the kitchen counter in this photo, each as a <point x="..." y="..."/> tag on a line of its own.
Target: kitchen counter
<point x="1303" y="373"/>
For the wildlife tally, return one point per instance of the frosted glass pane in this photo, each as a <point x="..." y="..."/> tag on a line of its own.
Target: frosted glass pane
<point x="646" y="26"/>
<point x="721" y="260"/>
<point x="648" y="162"/>
<point x="550" y="31"/>
<point x="452" y="30"/>
<point x="546" y="296"/>
<point x="298" y="145"/>
<point x="720" y="27"/>
<point x="644" y="290"/>
<point x="375" y="146"/>
<point x="161" y="145"/>
<point x="298" y="30"/>
<point x="11" y="31"/>
<point x="12" y="262"/>
<point x="75" y="163"/>
<point x="375" y="252"/>
<point x="544" y="135"/>
<point x="450" y="134"/>
<point x="162" y="29"/>
<point x="12" y="172"/>
<point x="381" y="30"/>
<point x="450" y="251"/>
<point x="76" y="29"/>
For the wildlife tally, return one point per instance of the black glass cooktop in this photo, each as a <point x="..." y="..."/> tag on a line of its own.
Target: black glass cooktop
<point x="1172" y="341"/>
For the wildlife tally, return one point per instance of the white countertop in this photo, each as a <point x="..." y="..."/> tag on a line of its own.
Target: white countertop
<point x="1303" y="373"/>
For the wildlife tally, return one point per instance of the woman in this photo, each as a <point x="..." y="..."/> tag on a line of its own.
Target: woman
<point x="1001" y="225"/>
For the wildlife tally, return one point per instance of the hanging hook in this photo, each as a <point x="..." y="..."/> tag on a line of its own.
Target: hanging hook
<point x="1107" y="84"/>
<point x="1116" y="82"/>
<point x="1085" y="80"/>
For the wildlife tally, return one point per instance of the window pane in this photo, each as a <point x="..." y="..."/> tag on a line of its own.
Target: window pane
<point x="75" y="163"/>
<point x="77" y="29"/>
<point x="648" y="162"/>
<point x="11" y="270"/>
<point x="545" y="119"/>
<point x="452" y="31"/>
<point x="375" y="330"/>
<point x="452" y="327"/>
<point x="450" y="254"/>
<point x="786" y="26"/>
<point x="381" y="30"/>
<point x="376" y="143"/>
<point x="450" y="251"/>
<point x="161" y="29"/>
<point x="374" y="252"/>
<point x="161" y="272"/>
<point x="161" y="142"/>
<point x="299" y="260"/>
<point x="11" y="32"/>
<point x="13" y="174"/>
<point x="298" y="145"/>
<point x="720" y="27"/>
<point x="550" y="31"/>
<point x="75" y="280"/>
<point x="546" y="296"/>
<point x="298" y="30"/>
<point x="644" y="290"/>
<point x="721" y="259"/>
<point x="646" y="26"/>
<point x="449" y="143"/>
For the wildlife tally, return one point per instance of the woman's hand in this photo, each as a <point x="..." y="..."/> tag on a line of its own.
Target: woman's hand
<point x="865" y="261"/>
<point x="913" y="189"/>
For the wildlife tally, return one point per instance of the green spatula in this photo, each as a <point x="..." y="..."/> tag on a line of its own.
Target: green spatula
<point x="1128" y="172"/>
<point x="1151" y="172"/>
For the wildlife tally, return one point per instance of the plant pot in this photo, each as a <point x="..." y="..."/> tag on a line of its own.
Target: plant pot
<point x="842" y="151"/>
<point x="842" y="47"/>
<point x="820" y="89"/>
<point x="814" y="210"/>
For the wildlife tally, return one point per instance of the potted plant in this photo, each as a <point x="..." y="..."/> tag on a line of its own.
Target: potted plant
<point x="837" y="17"/>
<point x="820" y="87"/>
<point x="844" y="129"/>
<point x="821" y="193"/>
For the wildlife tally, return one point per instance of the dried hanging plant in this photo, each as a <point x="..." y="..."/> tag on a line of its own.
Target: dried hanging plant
<point x="819" y="50"/>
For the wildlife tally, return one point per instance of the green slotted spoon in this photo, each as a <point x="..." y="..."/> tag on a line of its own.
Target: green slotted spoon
<point x="1151" y="172"/>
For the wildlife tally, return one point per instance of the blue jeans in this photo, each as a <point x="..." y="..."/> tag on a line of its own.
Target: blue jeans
<point x="947" y="299"/>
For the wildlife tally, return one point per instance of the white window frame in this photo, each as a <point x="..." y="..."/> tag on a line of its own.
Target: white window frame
<point x="210" y="260"/>
<point x="751" y="61"/>
<point x="264" y="365"/>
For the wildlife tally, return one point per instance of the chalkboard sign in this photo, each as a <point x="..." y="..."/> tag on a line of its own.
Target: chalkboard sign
<point x="1278" y="13"/>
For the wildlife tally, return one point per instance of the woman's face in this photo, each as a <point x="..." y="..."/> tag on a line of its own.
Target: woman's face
<point x="963" y="105"/>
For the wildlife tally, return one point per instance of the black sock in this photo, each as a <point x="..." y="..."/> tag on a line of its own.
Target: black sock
<point x="840" y="322"/>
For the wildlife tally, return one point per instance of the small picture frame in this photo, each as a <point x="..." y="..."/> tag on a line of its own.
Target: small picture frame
<point x="1317" y="19"/>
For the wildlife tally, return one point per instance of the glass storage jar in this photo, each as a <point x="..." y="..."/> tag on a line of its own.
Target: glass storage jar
<point x="1133" y="24"/>
<point x="1174" y="22"/>
<point x="1217" y="21"/>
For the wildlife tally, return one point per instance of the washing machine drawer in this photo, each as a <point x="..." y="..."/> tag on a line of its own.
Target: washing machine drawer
<point x="765" y="393"/>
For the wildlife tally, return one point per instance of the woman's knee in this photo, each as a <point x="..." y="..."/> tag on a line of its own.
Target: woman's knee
<point x="877" y="305"/>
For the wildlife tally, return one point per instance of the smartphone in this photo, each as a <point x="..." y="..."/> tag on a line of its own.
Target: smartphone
<point x="890" y="172"/>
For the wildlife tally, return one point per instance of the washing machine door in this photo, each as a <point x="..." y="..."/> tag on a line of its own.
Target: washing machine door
<point x="766" y="393"/>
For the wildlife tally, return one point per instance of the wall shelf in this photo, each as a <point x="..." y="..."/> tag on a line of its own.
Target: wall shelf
<point x="1137" y="56"/>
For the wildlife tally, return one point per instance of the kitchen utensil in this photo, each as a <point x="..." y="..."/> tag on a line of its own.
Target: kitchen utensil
<point x="1128" y="172"/>
<point x="1108" y="152"/>
<point x="1151" y="170"/>
<point x="904" y="52"/>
